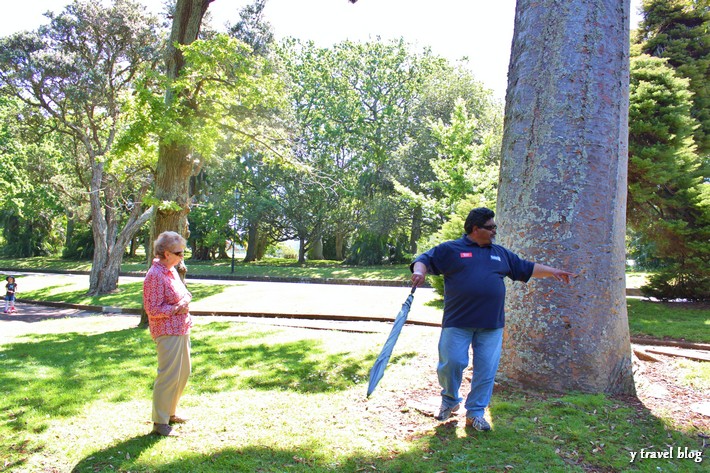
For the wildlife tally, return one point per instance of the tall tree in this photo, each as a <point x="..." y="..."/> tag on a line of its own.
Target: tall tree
<point x="176" y="161"/>
<point x="253" y="30"/>
<point x="562" y="193"/>
<point x="679" y="31"/>
<point x="176" y="158"/>
<point x="666" y="204"/>
<point x="79" y="71"/>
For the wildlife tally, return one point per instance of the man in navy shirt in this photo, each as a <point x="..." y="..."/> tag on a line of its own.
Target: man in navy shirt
<point x="474" y="295"/>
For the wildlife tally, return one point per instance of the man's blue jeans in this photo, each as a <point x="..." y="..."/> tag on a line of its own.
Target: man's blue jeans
<point x="453" y="359"/>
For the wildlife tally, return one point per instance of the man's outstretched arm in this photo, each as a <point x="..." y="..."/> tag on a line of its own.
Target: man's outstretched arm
<point x="544" y="271"/>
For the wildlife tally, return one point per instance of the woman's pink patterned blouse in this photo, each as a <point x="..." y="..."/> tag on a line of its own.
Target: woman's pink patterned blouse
<point x="162" y="290"/>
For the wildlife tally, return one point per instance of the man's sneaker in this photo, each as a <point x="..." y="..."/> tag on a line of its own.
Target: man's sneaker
<point x="478" y="423"/>
<point x="445" y="412"/>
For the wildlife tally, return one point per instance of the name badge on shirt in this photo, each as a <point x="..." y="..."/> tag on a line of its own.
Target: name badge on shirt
<point x="466" y="255"/>
<point x="497" y="258"/>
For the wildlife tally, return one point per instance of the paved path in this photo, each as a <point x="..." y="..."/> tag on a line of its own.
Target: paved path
<point x="26" y="321"/>
<point x="244" y="297"/>
<point x="282" y="298"/>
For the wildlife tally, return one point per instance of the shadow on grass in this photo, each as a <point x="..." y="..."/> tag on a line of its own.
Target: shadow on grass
<point x="520" y="441"/>
<point x="57" y="375"/>
<point x="107" y="459"/>
<point x="517" y="443"/>
<point x="253" y="459"/>
<point x="680" y="321"/>
<point x="255" y="362"/>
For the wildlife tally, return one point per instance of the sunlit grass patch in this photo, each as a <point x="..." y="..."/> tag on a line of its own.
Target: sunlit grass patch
<point x="281" y="399"/>
<point x="672" y="320"/>
<point x="694" y="373"/>
<point x="128" y="295"/>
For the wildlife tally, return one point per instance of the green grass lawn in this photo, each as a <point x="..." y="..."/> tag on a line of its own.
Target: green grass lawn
<point x="272" y="399"/>
<point x="270" y="267"/>
<point x="129" y="295"/>
<point x="678" y="321"/>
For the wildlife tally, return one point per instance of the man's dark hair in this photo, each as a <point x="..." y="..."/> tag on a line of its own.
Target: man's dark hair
<point x="477" y="218"/>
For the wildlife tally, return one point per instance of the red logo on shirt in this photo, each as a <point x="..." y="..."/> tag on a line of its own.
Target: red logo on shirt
<point x="466" y="255"/>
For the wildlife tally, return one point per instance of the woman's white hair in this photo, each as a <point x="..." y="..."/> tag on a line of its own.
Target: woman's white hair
<point x="167" y="241"/>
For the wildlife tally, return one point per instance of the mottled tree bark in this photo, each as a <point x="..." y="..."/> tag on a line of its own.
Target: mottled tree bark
<point x="562" y="195"/>
<point x="175" y="160"/>
<point x="252" y="243"/>
<point x="316" y="250"/>
<point x="416" y="229"/>
<point x="340" y="237"/>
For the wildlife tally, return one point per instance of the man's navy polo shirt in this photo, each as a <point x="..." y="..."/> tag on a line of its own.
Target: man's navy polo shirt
<point x="474" y="290"/>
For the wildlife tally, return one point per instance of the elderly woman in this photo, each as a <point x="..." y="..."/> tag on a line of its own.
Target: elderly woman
<point x="166" y="301"/>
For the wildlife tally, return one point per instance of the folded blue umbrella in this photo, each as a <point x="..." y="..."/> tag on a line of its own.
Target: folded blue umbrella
<point x="378" y="369"/>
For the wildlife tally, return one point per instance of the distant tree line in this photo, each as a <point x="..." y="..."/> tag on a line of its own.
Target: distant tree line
<point x="361" y="152"/>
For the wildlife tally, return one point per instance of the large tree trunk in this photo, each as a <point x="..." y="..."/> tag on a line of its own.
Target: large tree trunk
<point x="262" y="245"/>
<point x="416" y="230"/>
<point x="109" y="244"/>
<point x="315" y="252"/>
<point x="301" y="250"/>
<point x="562" y="196"/>
<point x="71" y="224"/>
<point x="252" y="243"/>
<point x="340" y="245"/>
<point x="175" y="161"/>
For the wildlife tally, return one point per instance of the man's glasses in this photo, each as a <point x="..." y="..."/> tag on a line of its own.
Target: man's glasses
<point x="176" y="253"/>
<point x="490" y="228"/>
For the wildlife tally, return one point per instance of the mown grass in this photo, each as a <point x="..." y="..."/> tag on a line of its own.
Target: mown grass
<point x="679" y="321"/>
<point x="269" y="399"/>
<point x="269" y="267"/>
<point x="128" y="295"/>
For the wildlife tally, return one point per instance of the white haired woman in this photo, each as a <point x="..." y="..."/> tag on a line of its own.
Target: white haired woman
<point x="166" y="301"/>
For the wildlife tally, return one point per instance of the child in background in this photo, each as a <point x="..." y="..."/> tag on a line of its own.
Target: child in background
<point x="11" y="288"/>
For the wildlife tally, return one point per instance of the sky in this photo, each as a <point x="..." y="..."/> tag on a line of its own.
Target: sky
<point x="480" y="31"/>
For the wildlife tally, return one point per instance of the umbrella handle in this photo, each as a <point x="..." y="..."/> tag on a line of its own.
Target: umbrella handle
<point x="414" y="288"/>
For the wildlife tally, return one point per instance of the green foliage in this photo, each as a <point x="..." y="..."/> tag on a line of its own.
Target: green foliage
<point x="369" y="249"/>
<point x="282" y="250"/>
<point x="677" y="30"/>
<point x="30" y="210"/>
<point x="75" y="76"/>
<point x="667" y="205"/>
<point x="226" y="89"/>
<point x="362" y="112"/>
<point x="252" y="29"/>
<point x="80" y="245"/>
<point x="462" y="168"/>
